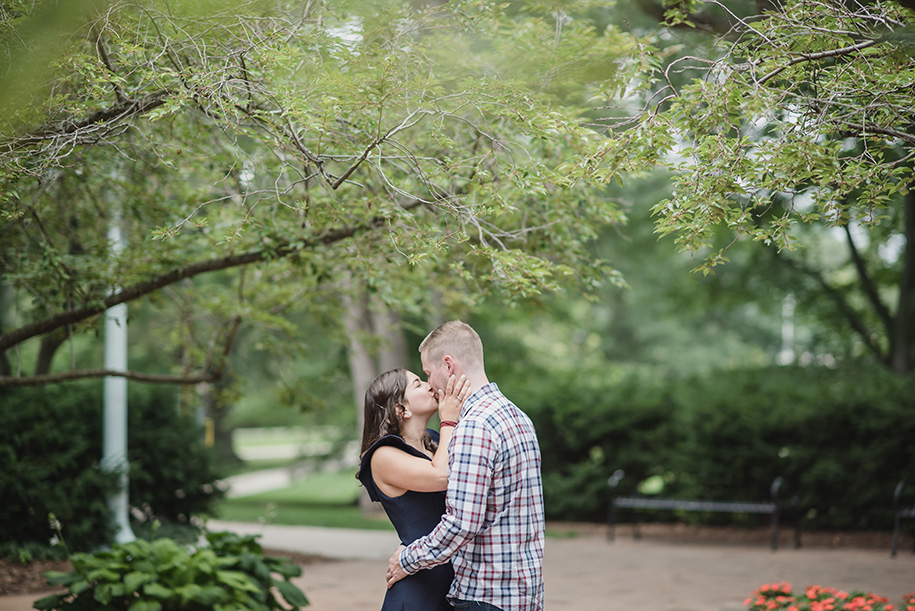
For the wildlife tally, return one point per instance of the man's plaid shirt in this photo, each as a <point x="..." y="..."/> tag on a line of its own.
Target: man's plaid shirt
<point x="492" y="530"/>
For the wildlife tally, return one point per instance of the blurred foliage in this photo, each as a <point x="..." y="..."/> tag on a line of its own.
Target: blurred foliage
<point x="840" y="437"/>
<point x="589" y="426"/>
<point x="796" y="129"/>
<point x="51" y="448"/>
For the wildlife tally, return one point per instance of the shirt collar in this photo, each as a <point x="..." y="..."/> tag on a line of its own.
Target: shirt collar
<point x="484" y="391"/>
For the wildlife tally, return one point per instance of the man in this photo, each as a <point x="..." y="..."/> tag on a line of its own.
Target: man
<point x="493" y="526"/>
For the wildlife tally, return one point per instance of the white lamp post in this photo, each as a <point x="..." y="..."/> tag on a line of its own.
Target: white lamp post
<point x="114" y="436"/>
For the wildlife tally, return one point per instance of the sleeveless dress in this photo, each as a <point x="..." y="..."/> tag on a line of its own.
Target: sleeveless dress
<point x="414" y="515"/>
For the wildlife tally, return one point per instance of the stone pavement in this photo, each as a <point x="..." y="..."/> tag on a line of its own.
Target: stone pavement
<point x="588" y="573"/>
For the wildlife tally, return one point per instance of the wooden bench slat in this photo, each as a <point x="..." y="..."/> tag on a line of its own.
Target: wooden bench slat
<point x="773" y="508"/>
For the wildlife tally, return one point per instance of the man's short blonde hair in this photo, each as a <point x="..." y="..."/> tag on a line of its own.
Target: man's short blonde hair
<point x="457" y="339"/>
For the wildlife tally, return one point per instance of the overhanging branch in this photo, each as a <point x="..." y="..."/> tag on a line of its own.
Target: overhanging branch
<point x="847" y="311"/>
<point x="97" y="123"/>
<point x="809" y="57"/>
<point x="79" y="374"/>
<point x="61" y="319"/>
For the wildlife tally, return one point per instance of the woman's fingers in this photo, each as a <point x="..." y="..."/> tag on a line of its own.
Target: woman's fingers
<point x="449" y="385"/>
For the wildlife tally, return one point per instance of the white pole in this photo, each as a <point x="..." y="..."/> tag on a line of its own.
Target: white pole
<point x="114" y="437"/>
<point x="786" y="355"/>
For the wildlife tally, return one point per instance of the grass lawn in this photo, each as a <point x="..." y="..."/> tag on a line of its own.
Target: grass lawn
<point x="321" y="499"/>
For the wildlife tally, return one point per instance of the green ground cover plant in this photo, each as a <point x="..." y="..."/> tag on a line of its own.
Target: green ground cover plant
<point x="227" y="574"/>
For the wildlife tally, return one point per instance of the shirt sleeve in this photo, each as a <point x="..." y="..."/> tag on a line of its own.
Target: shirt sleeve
<point x="471" y="458"/>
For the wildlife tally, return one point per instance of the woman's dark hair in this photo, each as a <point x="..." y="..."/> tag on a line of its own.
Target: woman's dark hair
<point x="383" y="407"/>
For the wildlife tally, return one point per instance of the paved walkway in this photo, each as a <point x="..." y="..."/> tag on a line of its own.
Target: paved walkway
<point x="588" y="573"/>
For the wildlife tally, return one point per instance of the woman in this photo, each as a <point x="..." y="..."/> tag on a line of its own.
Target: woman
<point x="405" y="467"/>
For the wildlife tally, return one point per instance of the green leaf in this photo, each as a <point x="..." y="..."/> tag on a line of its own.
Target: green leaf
<point x="58" y="578"/>
<point x="157" y="590"/>
<point x="135" y="579"/>
<point x="210" y="595"/>
<point x="286" y="569"/>
<point x="293" y="595"/>
<point x="237" y="580"/>
<point x="48" y="602"/>
<point x="145" y="605"/>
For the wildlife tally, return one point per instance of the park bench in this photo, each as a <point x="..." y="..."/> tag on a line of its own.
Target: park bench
<point x="901" y="514"/>
<point x="773" y="507"/>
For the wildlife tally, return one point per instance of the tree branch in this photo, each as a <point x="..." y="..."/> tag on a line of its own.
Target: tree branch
<point x="209" y="372"/>
<point x="869" y="128"/>
<point x="867" y="284"/>
<point x="45" y="325"/>
<point x="853" y="318"/>
<point x="809" y="57"/>
<point x="81" y="374"/>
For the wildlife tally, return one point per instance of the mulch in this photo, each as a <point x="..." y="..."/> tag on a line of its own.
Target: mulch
<point x="17" y="578"/>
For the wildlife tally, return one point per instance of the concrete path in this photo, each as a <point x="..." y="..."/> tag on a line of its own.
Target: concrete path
<point x="588" y="573"/>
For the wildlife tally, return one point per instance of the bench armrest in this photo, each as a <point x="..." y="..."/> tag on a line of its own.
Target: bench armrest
<point x="616" y="478"/>
<point x="897" y="494"/>
<point x="775" y="487"/>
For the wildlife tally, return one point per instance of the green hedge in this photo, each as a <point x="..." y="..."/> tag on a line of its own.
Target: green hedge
<point x="50" y="449"/>
<point x="841" y="438"/>
<point x="588" y="428"/>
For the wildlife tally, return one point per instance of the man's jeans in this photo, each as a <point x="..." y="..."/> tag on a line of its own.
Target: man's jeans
<point x="474" y="605"/>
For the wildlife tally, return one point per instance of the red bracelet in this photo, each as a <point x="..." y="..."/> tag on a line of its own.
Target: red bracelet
<point x="448" y="423"/>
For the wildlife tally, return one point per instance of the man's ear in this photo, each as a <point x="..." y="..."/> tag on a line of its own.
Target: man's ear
<point x="449" y="364"/>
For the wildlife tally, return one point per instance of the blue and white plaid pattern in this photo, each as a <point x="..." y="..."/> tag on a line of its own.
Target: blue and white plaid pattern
<point x="493" y="525"/>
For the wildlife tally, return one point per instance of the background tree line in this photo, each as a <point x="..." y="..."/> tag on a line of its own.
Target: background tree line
<point x="306" y="188"/>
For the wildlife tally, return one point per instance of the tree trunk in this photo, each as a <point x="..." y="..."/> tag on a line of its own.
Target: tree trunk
<point x="362" y="367"/>
<point x="376" y="344"/>
<point x="902" y="342"/>
<point x="207" y="395"/>
<point x="6" y="304"/>
<point x="357" y="322"/>
<point x="47" y="349"/>
<point x="388" y="326"/>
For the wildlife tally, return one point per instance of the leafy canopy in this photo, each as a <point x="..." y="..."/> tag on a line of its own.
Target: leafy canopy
<point x="804" y="118"/>
<point x="409" y="145"/>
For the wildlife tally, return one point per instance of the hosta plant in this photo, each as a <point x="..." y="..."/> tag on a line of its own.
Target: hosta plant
<point x="228" y="574"/>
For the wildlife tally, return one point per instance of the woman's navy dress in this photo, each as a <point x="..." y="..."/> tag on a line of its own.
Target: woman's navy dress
<point x="414" y="515"/>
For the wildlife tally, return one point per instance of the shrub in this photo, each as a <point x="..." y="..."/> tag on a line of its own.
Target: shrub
<point x="588" y="429"/>
<point x="230" y="574"/>
<point x="50" y="452"/>
<point x="840" y="438"/>
<point x="50" y="448"/>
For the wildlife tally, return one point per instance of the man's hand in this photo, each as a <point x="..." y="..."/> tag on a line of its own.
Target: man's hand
<point x="395" y="572"/>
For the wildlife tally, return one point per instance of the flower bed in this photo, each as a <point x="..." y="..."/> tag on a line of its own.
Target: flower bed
<point x="780" y="596"/>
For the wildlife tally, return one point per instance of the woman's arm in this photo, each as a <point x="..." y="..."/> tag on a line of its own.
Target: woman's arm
<point x="396" y="471"/>
<point x="450" y="402"/>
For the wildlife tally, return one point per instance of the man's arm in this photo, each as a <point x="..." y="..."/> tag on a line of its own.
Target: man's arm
<point x="395" y="571"/>
<point x="469" y="481"/>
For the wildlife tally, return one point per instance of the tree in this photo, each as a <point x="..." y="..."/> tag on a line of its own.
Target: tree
<point x="802" y="128"/>
<point x="409" y="146"/>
